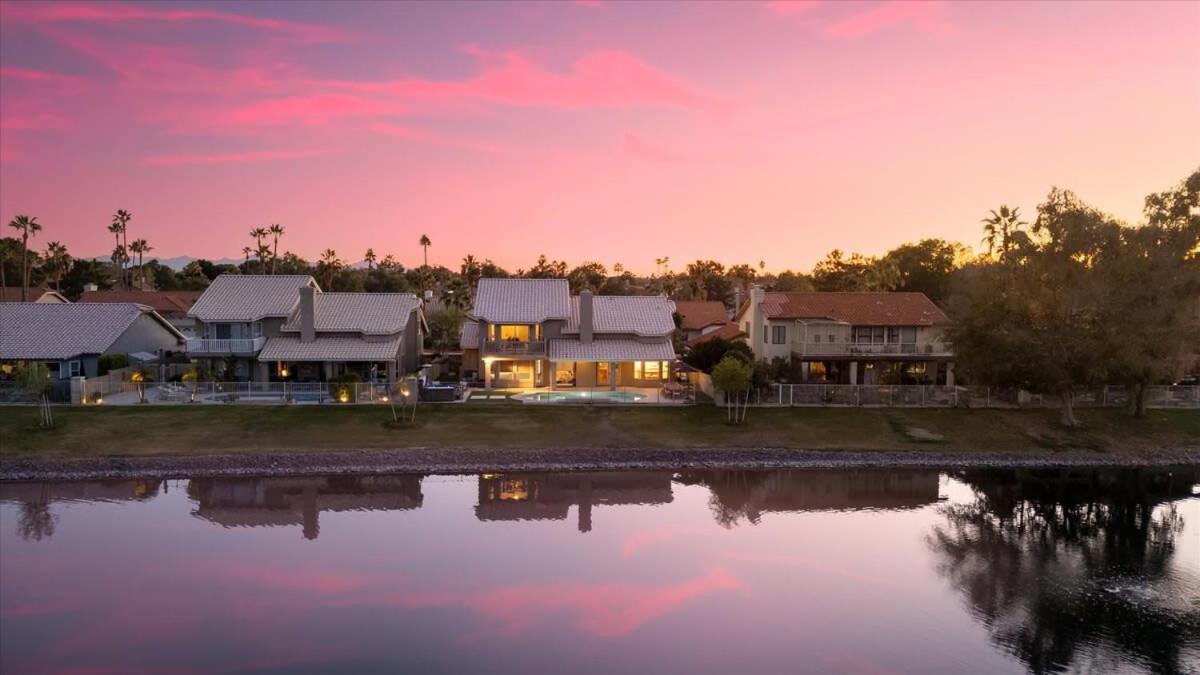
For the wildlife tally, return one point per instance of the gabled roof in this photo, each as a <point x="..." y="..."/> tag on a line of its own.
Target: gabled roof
<point x="163" y="302"/>
<point x="32" y="294"/>
<point x="468" y="335"/>
<point x="250" y="297"/>
<point x="56" y="331"/>
<point x="860" y="309"/>
<point x="729" y="331"/>
<point x="329" y="348"/>
<point x="366" y="313"/>
<point x="648" y="315"/>
<point x="522" y="300"/>
<point x="611" y="350"/>
<point x="698" y="314"/>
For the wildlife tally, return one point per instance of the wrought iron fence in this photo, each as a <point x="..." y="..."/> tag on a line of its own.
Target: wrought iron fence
<point x="277" y="393"/>
<point x="790" y="395"/>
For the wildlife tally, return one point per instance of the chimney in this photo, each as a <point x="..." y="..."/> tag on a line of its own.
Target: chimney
<point x="585" y="316"/>
<point x="428" y="297"/>
<point x="738" y="298"/>
<point x="758" y="329"/>
<point x="308" y="322"/>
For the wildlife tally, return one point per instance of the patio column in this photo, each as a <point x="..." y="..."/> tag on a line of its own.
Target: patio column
<point x="613" y="372"/>
<point x="854" y="372"/>
<point x="262" y="373"/>
<point x="391" y="371"/>
<point x="553" y="374"/>
<point x="487" y="374"/>
<point x="950" y="374"/>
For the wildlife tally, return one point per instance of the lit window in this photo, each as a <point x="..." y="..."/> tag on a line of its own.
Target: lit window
<point x="650" y="370"/>
<point x="514" y="333"/>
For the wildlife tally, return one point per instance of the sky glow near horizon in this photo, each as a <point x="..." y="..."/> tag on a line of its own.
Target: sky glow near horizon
<point x="614" y="132"/>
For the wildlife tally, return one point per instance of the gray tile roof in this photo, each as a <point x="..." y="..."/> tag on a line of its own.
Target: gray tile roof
<point x="249" y="297"/>
<point x="469" y="335"/>
<point x="522" y="300"/>
<point x="56" y="331"/>
<point x="648" y="315"/>
<point x="611" y="350"/>
<point x="366" y="313"/>
<point x="286" y="348"/>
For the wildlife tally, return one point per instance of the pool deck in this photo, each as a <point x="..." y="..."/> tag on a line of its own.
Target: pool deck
<point x="577" y="396"/>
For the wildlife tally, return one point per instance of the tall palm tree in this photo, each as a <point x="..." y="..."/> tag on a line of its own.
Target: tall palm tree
<point x="4" y="255"/>
<point x="369" y="256"/>
<point x="246" y="251"/>
<point x="1000" y="228"/>
<point x="121" y="219"/>
<point x="425" y="244"/>
<point x="276" y="231"/>
<point x="58" y="261"/>
<point x="27" y="226"/>
<point x="330" y="264"/>
<point x="259" y="233"/>
<point x="141" y="248"/>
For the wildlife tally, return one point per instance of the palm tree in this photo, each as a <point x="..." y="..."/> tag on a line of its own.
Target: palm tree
<point x="4" y="254"/>
<point x="27" y="226"/>
<point x="276" y="231"/>
<point x="259" y="233"/>
<point x="1001" y="227"/>
<point x="246" y="251"/>
<point x="58" y="261"/>
<point x="121" y="222"/>
<point x="369" y="256"/>
<point x="141" y="248"/>
<point x="425" y="244"/>
<point x="330" y="264"/>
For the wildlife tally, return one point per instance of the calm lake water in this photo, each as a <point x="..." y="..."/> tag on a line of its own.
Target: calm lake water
<point x="860" y="571"/>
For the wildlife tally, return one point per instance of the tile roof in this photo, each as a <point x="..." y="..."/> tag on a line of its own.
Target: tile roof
<point x="163" y="302"/>
<point x="55" y="331"/>
<point x="611" y="350"/>
<point x="697" y="314"/>
<point x="366" y="313"/>
<point x="32" y="294"/>
<point x="522" y="300"/>
<point x="286" y="348"/>
<point x="860" y="309"/>
<point x="249" y="297"/>
<point x="637" y="314"/>
<point x="729" y="331"/>
<point x="469" y="336"/>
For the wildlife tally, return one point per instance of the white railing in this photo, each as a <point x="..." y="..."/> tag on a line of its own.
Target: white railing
<point x="785" y="395"/>
<point x="854" y="349"/>
<point x="512" y="347"/>
<point x="278" y="393"/>
<point x="197" y="346"/>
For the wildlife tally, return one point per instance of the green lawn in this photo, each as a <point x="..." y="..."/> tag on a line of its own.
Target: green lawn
<point x="184" y="430"/>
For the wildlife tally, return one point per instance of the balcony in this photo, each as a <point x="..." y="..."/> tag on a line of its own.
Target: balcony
<point x="863" y="349"/>
<point x="515" y="348"/>
<point x="227" y="347"/>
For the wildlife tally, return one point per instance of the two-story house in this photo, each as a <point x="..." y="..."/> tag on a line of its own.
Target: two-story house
<point x="283" y="328"/>
<point x="851" y="338"/>
<point x="533" y="333"/>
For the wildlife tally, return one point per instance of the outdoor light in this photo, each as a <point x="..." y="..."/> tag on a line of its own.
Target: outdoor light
<point x="383" y="398"/>
<point x="344" y="397"/>
<point x="283" y="372"/>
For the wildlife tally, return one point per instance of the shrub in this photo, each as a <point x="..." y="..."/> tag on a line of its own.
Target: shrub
<point x="709" y="353"/>
<point x="342" y="388"/>
<point x="111" y="362"/>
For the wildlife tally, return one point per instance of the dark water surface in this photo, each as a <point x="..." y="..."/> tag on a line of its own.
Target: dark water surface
<point x="870" y="572"/>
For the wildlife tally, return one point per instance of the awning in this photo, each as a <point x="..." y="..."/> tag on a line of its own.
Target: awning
<point x="611" y="350"/>
<point x="284" y="348"/>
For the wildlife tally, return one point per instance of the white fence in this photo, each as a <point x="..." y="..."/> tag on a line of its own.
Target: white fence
<point x="124" y="393"/>
<point x="785" y="395"/>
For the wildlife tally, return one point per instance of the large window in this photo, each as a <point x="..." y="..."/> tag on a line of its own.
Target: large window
<point x="650" y="370"/>
<point x="513" y="333"/>
<point x="779" y="335"/>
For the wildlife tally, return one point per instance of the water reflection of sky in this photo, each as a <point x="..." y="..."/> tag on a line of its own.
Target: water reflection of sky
<point x="692" y="572"/>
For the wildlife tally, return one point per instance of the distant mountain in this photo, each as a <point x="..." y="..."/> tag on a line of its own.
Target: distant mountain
<point x="179" y="262"/>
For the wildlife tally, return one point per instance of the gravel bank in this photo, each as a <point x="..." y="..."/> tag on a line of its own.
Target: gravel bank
<point x="451" y="460"/>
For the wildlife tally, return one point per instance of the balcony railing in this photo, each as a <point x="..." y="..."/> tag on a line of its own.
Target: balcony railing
<point x="514" y="348"/>
<point x="856" y="349"/>
<point x="201" y="346"/>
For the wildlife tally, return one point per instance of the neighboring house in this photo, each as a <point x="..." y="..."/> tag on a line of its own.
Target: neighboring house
<point x="533" y="333"/>
<point x="851" y="338"/>
<point x="171" y="305"/>
<point x="70" y="338"/>
<point x="234" y="317"/>
<point x="377" y="336"/>
<point x="283" y="328"/>
<point x="698" y="318"/>
<point x="13" y="294"/>
<point x="729" y="331"/>
<point x="550" y="496"/>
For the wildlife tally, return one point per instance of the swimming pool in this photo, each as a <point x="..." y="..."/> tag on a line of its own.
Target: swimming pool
<point x="581" y="397"/>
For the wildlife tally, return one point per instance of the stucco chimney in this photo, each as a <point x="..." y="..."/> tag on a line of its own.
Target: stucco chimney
<point x="308" y="323"/>
<point x="585" y="316"/>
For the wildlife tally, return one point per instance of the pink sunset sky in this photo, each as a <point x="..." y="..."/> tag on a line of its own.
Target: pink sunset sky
<point x="607" y="131"/>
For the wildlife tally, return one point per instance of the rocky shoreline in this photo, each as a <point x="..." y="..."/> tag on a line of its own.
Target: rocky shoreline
<point x="456" y="460"/>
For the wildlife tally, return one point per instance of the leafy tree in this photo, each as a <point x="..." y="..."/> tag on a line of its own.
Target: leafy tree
<point x="329" y="266"/>
<point x="588" y="276"/>
<point x="83" y="272"/>
<point x="444" y="328"/>
<point x="28" y="226"/>
<point x="620" y="284"/>
<point x="545" y="269"/>
<point x="708" y="281"/>
<point x="743" y="275"/>
<point x="791" y="281"/>
<point x="457" y="294"/>
<point x="856" y="273"/>
<point x="733" y="378"/>
<point x="705" y="355"/>
<point x="926" y="266"/>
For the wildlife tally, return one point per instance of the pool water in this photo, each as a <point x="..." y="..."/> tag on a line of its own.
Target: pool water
<point x="620" y="396"/>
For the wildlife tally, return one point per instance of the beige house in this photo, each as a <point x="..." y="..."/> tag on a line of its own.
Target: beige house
<point x="851" y="338"/>
<point x="526" y="333"/>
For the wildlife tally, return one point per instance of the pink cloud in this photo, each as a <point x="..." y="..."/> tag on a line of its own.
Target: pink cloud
<point x="231" y="158"/>
<point x="117" y="12"/>
<point x="420" y="136"/>
<point x="922" y="15"/>
<point x="637" y="147"/>
<point x="318" y="109"/>
<point x="791" y="7"/>
<point x="45" y="121"/>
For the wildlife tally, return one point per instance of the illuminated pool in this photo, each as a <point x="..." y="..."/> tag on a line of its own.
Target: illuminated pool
<point x="582" y="396"/>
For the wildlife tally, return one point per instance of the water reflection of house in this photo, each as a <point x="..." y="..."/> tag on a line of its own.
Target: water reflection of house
<point x="87" y="491"/>
<point x="280" y="502"/>
<point x="549" y="496"/>
<point x="749" y="494"/>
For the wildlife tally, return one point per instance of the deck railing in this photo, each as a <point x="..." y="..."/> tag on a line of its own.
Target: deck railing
<point x="938" y="396"/>
<point x="202" y="346"/>
<point x="515" y="348"/>
<point x="857" y="349"/>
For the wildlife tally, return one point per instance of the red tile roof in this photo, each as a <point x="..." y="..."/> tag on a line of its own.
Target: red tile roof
<point x="13" y="293"/>
<point x="697" y="314"/>
<point x="166" y="303"/>
<point x="860" y="309"/>
<point x="729" y="331"/>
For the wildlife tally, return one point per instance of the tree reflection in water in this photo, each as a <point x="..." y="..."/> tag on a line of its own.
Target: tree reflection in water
<point x="1064" y="567"/>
